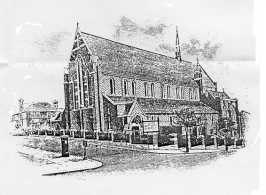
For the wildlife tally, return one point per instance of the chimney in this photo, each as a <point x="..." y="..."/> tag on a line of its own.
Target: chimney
<point x="55" y="103"/>
<point x="20" y="104"/>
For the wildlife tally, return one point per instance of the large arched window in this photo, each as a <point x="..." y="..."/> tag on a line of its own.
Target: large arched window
<point x="133" y="88"/>
<point x="152" y="90"/>
<point x="190" y="93"/>
<point x="195" y="93"/>
<point x="182" y="93"/>
<point x="145" y="89"/>
<point x="125" y="87"/>
<point x="162" y="91"/>
<point x="168" y="91"/>
<point x="112" y="86"/>
<point x="177" y="91"/>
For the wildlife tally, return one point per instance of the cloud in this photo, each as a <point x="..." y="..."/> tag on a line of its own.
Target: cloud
<point x="168" y="4"/>
<point x="4" y="90"/>
<point x="154" y="30"/>
<point x="3" y="64"/>
<point x="195" y="47"/>
<point x="50" y="45"/>
<point x="27" y="77"/>
<point x="129" y="28"/>
<point x="154" y="33"/>
<point x="21" y="26"/>
<point x="166" y="47"/>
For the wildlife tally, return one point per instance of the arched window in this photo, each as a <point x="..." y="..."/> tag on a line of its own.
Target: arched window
<point x="162" y="91"/>
<point x="190" y="93"/>
<point x="195" y="93"/>
<point x="125" y="87"/>
<point x="112" y="86"/>
<point x="177" y="91"/>
<point x="182" y="93"/>
<point x="168" y="91"/>
<point x="133" y="88"/>
<point x="152" y="90"/>
<point x="145" y="89"/>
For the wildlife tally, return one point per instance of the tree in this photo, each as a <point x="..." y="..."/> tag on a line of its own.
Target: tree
<point x="187" y="118"/>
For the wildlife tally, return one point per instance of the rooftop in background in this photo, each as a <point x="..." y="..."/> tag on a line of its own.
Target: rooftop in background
<point x="218" y="94"/>
<point x="39" y="107"/>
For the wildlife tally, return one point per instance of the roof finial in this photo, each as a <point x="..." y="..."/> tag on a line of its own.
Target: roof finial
<point x="197" y="60"/>
<point x="177" y="45"/>
<point x="77" y="26"/>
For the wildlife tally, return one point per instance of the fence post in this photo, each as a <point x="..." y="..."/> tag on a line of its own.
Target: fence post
<point x="155" y="140"/>
<point x="176" y="140"/>
<point x="97" y="135"/>
<point x="158" y="120"/>
<point x="203" y="142"/>
<point x="112" y="136"/>
<point x="130" y="137"/>
<point x="215" y="142"/>
<point x="85" y="148"/>
<point x="188" y="137"/>
<point x="225" y="144"/>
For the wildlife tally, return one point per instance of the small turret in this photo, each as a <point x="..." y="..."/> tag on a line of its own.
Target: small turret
<point x="20" y="105"/>
<point x="198" y="77"/>
<point x="55" y="104"/>
<point x="197" y="73"/>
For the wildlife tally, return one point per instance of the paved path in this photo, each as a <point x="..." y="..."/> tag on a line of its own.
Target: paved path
<point x="169" y="149"/>
<point x="51" y="163"/>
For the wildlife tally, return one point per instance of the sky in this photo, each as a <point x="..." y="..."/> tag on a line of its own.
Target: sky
<point x="27" y="23"/>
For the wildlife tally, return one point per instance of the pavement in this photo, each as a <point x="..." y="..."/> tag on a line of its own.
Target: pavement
<point x="51" y="163"/>
<point x="173" y="149"/>
<point x="169" y="149"/>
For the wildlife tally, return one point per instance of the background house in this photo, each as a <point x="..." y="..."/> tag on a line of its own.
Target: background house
<point x="35" y="115"/>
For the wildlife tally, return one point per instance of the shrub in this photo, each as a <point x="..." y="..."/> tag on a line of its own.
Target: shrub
<point x="209" y="140"/>
<point x="164" y="139"/>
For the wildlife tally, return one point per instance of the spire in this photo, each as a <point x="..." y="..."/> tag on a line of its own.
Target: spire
<point x="177" y="45"/>
<point x="198" y="68"/>
<point x="78" y="27"/>
<point x="77" y="34"/>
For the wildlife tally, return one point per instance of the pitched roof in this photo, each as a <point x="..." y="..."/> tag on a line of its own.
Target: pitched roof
<point x="123" y="60"/>
<point x="158" y="106"/>
<point x="219" y="94"/>
<point x="40" y="106"/>
<point x="171" y="106"/>
<point x="57" y="117"/>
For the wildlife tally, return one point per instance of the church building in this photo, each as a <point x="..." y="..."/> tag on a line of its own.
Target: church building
<point x="111" y="86"/>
